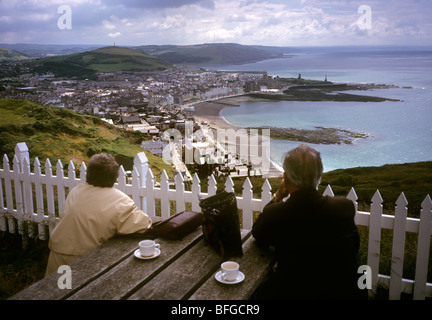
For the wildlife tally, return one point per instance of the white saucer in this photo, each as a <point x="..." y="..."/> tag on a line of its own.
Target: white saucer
<point x="239" y="279"/>
<point x="139" y="256"/>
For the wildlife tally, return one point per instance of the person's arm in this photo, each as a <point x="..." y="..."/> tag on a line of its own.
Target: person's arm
<point x="263" y="230"/>
<point x="131" y="219"/>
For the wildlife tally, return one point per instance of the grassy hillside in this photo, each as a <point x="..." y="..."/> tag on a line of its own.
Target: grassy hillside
<point x="11" y="55"/>
<point x="210" y="53"/>
<point x="57" y="133"/>
<point x="108" y="59"/>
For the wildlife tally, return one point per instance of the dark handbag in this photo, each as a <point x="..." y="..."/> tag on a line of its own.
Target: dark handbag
<point x="221" y="226"/>
<point x="177" y="226"/>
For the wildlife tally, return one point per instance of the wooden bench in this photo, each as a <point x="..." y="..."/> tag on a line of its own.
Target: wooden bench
<point x="185" y="269"/>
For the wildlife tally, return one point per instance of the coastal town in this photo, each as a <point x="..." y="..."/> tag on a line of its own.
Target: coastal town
<point x="149" y="102"/>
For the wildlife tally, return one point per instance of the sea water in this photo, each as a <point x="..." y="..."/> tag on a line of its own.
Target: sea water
<point x="399" y="132"/>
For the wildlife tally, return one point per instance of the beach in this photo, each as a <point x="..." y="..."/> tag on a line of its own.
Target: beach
<point x="209" y="112"/>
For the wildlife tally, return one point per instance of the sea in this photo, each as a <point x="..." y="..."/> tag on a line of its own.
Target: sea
<point x="399" y="132"/>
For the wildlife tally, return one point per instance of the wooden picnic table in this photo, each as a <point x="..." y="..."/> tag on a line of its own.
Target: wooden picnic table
<point x="184" y="270"/>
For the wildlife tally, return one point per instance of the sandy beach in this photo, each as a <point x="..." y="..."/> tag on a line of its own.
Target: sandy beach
<point x="209" y="112"/>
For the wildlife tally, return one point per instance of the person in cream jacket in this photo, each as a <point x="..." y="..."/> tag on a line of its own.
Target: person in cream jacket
<point x="94" y="211"/>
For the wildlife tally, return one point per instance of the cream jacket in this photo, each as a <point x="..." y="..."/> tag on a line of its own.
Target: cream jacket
<point x="92" y="215"/>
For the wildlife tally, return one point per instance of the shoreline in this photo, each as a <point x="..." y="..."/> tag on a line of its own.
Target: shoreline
<point x="209" y="112"/>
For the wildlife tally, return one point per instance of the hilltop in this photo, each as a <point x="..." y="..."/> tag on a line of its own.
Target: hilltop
<point x="58" y="133"/>
<point x="212" y="53"/>
<point x="107" y="59"/>
<point x="11" y="55"/>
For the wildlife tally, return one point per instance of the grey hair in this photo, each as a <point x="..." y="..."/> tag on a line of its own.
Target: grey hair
<point x="303" y="166"/>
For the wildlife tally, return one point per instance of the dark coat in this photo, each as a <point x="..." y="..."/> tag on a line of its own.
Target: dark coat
<point x="316" y="244"/>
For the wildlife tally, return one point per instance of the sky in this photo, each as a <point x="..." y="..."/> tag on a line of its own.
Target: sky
<point x="248" y="22"/>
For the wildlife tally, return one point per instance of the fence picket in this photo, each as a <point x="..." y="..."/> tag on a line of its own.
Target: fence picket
<point x="9" y="196"/>
<point x="374" y="243"/>
<point x="164" y="196"/>
<point x="49" y="185"/>
<point x="328" y="191"/>
<point x="16" y="176"/>
<point x="179" y="192"/>
<point x="212" y="186"/>
<point x="398" y="249"/>
<point x="196" y="191"/>
<point x="150" y="196"/>
<point x="423" y="246"/>
<point x="247" y="204"/>
<point x="121" y="180"/>
<point x="266" y="193"/>
<point x="83" y="172"/>
<point x="229" y="185"/>
<point x="59" y="183"/>
<point x="39" y="216"/>
<point x="136" y="179"/>
<point x="71" y="181"/>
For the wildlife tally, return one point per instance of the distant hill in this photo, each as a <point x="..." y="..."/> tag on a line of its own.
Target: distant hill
<point x="58" y="133"/>
<point x="48" y="50"/>
<point x="11" y="55"/>
<point x="212" y="53"/>
<point x="108" y="59"/>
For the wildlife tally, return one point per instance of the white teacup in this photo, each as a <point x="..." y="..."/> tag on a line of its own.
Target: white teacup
<point x="230" y="270"/>
<point x="148" y="248"/>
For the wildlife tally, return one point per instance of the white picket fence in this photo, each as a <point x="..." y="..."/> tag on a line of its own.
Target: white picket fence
<point x="32" y="202"/>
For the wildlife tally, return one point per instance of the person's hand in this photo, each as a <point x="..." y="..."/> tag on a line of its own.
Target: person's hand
<point x="282" y="192"/>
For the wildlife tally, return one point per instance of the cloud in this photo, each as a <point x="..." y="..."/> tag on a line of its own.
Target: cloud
<point x="114" y="35"/>
<point x="266" y="22"/>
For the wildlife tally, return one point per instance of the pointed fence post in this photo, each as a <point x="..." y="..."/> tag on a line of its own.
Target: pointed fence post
<point x="18" y="193"/>
<point x="121" y="180"/>
<point x="59" y="182"/>
<point x="247" y="220"/>
<point x="8" y="191"/>
<point x="398" y="249"/>
<point x="229" y="185"/>
<point x="39" y="217"/>
<point x="50" y="194"/>
<point x="164" y="195"/>
<point x="83" y="172"/>
<point x="150" y="194"/>
<point x="22" y="152"/>
<point x="196" y="191"/>
<point x="179" y="191"/>
<point x="141" y="164"/>
<point x="374" y="243"/>
<point x="136" y="185"/>
<point x="423" y="247"/>
<point x="212" y="186"/>
<point x="266" y="194"/>
<point x="328" y="191"/>
<point x="71" y="176"/>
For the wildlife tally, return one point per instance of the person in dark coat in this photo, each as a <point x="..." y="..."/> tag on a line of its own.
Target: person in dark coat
<point x="315" y="238"/>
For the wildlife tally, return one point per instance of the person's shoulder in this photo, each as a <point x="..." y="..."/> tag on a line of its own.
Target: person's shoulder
<point x="339" y="204"/>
